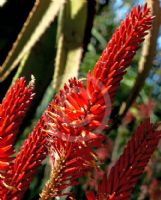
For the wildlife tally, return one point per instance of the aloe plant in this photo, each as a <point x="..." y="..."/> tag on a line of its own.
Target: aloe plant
<point x="66" y="134"/>
<point x="68" y="129"/>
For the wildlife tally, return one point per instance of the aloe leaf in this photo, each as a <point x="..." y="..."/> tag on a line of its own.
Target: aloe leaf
<point x="39" y="62"/>
<point x="70" y="39"/>
<point x="38" y="21"/>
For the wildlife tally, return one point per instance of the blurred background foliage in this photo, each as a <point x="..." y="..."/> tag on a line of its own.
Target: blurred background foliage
<point x="68" y="43"/>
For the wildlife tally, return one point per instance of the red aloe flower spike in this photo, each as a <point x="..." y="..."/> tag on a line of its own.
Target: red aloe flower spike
<point x="130" y="166"/>
<point x="26" y="164"/>
<point x="67" y="166"/>
<point x="76" y="112"/>
<point x="91" y="106"/>
<point x="70" y="151"/>
<point x="72" y="108"/>
<point x="118" y="54"/>
<point x="12" y="112"/>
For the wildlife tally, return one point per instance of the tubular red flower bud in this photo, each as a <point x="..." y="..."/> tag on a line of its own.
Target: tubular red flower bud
<point x="130" y="166"/>
<point x="12" y="112"/>
<point x="118" y="54"/>
<point x="25" y="164"/>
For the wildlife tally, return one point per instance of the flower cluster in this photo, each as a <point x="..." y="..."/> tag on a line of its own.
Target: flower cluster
<point x="78" y="113"/>
<point x="130" y="166"/>
<point x="12" y="112"/>
<point x="70" y="127"/>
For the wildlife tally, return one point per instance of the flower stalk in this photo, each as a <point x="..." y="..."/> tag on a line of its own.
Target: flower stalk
<point x="78" y="112"/>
